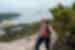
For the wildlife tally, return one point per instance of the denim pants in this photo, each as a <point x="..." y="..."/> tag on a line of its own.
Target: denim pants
<point x="40" y="40"/>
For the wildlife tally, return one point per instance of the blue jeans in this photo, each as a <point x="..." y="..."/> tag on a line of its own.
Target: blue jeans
<point x="40" y="40"/>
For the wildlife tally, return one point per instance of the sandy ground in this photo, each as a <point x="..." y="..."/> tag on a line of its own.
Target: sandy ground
<point x="22" y="44"/>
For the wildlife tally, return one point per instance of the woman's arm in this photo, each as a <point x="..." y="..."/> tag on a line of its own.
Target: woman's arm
<point x="51" y="29"/>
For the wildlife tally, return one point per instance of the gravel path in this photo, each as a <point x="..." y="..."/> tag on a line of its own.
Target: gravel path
<point x="24" y="44"/>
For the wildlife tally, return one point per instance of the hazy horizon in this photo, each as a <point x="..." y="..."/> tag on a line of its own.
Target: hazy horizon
<point x="30" y="10"/>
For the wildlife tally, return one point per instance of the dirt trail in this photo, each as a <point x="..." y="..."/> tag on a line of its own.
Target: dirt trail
<point x="21" y="44"/>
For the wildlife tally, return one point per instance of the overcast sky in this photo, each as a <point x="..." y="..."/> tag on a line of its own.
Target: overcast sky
<point x="30" y="10"/>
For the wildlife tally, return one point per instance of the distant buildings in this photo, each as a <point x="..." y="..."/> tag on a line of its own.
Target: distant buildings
<point x="16" y="28"/>
<point x="11" y="29"/>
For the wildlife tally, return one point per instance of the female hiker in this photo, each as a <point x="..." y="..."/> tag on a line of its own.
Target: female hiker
<point x="44" y="35"/>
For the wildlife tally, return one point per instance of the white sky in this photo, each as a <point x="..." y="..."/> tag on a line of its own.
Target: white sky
<point x="30" y="10"/>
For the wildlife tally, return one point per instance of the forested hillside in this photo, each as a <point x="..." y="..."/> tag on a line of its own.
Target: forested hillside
<point x="16" y="32"/>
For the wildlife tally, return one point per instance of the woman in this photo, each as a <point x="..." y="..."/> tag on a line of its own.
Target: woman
<point x="44" y="35"/>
